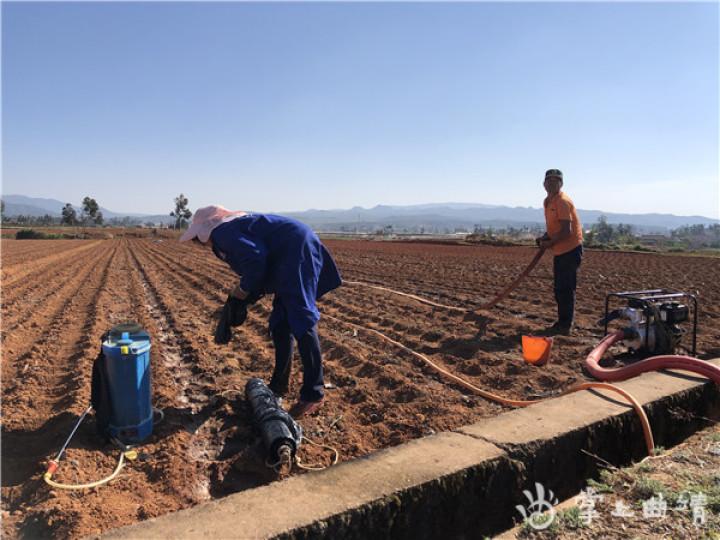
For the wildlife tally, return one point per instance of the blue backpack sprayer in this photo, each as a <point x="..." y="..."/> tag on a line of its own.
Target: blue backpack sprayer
<point x="121" y="396"/>
<point x="121" y="400"/>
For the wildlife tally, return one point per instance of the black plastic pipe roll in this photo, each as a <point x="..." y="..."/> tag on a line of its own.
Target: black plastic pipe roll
<point x="276" y="426"/>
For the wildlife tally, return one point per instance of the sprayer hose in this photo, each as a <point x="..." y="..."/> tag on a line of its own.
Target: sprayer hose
<point x="48" y="477"/>
<point x="335" y="459"/>
<point x="54" y="464"/>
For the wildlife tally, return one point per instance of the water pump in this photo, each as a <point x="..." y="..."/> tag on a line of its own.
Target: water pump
<point x="655" y="319"/>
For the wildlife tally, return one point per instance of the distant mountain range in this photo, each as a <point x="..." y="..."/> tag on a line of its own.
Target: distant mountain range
<point x="444" y="216"/>
<point x="16" y="205"/>
<point x="440" y="217"/>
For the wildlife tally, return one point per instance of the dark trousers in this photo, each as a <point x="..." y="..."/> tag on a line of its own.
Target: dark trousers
<point x="565" y="269"/>
<point x="309" y="346"/>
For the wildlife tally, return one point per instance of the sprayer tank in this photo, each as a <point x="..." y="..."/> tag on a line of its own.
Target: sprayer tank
<point x="127" y="354"/>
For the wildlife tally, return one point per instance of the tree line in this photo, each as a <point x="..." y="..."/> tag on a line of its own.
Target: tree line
<point x="91" y="215"/>
<point x="602" y="232"/>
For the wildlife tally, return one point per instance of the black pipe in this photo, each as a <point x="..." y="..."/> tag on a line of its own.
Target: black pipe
<point x="279" y="431"/>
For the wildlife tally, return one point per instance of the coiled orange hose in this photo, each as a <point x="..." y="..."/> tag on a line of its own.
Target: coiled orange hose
<point x="654" y="363"/>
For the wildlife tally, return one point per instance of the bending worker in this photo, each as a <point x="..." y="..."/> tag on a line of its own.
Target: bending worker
<point x="564" y="237"/>
<point x="280" y="256"/>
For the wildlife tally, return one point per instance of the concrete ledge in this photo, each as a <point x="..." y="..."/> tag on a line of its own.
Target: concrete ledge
<point x="549" y="438"/>
<point x="463" y="484"/>
<point x="370" y="492"/>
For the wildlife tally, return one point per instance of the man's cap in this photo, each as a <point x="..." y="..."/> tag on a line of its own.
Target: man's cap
<point x="557" y="173"/>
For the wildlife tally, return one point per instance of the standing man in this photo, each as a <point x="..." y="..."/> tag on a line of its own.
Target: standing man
<point x="280" y="256"/>
<point x="564" y="236"/>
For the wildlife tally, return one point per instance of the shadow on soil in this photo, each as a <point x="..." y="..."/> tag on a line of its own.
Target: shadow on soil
<point x="24" y="453"/>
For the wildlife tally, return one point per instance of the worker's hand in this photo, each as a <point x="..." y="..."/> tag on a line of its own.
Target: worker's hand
<point x="539" y="239"/>
<point x="545" y="243"/>
<point x="239" y="293"/>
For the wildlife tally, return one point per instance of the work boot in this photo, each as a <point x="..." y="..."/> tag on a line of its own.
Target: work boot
<point x="560" y="329"/>
<point x="301" y="408"/>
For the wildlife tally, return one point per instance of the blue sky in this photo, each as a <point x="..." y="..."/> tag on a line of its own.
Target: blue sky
<point x="278" y="107"/>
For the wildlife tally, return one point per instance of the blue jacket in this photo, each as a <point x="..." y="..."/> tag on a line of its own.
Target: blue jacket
<point x="280" y="256"/>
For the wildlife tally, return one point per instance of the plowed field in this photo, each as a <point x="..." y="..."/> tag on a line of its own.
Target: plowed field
<point x="60" y="296"/>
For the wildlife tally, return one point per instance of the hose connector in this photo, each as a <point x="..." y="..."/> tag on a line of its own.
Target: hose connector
<point x="51" y="468"/>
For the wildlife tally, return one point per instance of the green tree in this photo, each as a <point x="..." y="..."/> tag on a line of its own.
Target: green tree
<point x="181" y="213"/>
<point x="91" y="211"/>
<point x="604" y="232"/>
<point x="45" y="220"/>
<point x="2" y="210"/>
<point x="69" y="216"/>
<point x="624" y="232"/>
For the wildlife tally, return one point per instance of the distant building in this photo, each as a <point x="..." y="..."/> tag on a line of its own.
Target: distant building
<point x="653" y="239"/>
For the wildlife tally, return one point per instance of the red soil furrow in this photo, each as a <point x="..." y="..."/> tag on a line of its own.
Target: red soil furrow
<point x="209" y="282"/>
<point x="213" y="433"/>
<point x="207" y="359"/>
<point x="19" y="251"/>
<point x="164" y="476"/>
<point x="383" y="303"/>
<point x="208" y="297"/>
<point x="461" y="351"/>
<point x="200" y="283"/>
<point x="188" y="389"/>
<point x="18" y="273"/>
<point x="465" y="289"/>
<point x="342" y="365"/>
<point x="148" y="316"/>
<point x="188" y="361"/>
<point x="26" y="303"/>
<point x="201" y="275"/>
<point x="110" y="306"/>
<point x="27" y="339"/>
<point x="533" y="299"/>
<point x="53" y="367"/>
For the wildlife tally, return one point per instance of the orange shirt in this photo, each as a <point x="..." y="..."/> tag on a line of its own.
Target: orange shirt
<point x="561" y="208"/>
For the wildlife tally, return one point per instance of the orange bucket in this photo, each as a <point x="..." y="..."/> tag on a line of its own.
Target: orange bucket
<point x="536" y="349"/>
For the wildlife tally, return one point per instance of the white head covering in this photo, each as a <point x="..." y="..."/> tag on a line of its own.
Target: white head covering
<point x="206" y="219"/>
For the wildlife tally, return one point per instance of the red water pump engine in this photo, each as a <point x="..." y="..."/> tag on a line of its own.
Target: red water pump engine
<point x="654" y="319"/>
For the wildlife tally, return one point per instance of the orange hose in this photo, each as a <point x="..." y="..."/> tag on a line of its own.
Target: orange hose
<point x="667" y="361"/>
<point x="488" y="305"/>
<point x="647" y="430"/>
<point x="414" y="297"/>
<point x="507" y="290"/>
